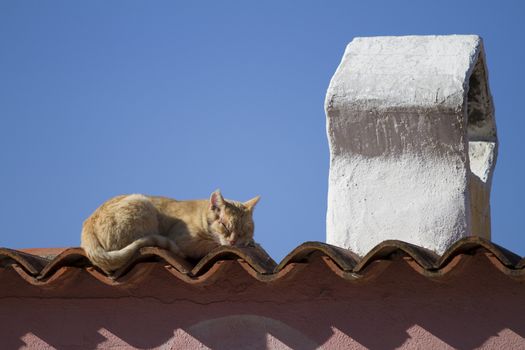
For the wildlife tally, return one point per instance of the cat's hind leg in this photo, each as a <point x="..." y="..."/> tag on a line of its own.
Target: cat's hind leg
<point x="119" y="228"/>
<point x="126" y="220"/>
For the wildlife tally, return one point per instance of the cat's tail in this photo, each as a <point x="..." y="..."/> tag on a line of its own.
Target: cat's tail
<point x="110" y="261"/>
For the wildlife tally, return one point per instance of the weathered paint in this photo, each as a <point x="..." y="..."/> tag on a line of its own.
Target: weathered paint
<point x="474" y="306"/>
<point x="412" y="136"/>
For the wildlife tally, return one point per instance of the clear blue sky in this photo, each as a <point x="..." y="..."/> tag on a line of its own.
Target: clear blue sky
<point x="99" y="98"/>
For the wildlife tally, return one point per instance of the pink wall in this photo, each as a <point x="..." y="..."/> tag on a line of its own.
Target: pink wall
<point x="474" y="306"/>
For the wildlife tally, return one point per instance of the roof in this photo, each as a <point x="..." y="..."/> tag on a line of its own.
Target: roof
<point x="42" y="266"/>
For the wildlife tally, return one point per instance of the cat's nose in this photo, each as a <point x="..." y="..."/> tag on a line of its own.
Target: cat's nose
<point x="233" y="238"/>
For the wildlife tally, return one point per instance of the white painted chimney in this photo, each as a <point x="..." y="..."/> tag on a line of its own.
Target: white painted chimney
<point x="413" y="143"/>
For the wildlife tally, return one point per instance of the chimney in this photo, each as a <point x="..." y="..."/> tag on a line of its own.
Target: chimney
<point x="413" y="143"/>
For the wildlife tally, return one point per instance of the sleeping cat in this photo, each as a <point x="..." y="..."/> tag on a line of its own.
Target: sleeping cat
<point x="124" y="224"/>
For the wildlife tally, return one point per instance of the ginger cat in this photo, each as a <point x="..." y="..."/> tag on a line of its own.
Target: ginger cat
<point x="124" y="224"/>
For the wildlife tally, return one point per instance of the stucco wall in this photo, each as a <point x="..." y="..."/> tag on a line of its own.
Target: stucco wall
<point x="473" y="306"/>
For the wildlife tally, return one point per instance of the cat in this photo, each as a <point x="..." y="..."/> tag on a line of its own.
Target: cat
<point x="122" y="225"/>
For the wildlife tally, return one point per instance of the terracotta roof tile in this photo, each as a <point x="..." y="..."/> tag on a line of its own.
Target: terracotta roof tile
<point x="33" y="264"/>
<point x="39" y="270"/>
<point x="48" y="253"/>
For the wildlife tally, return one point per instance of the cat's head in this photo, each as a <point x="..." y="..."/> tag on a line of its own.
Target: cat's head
<point x="231" y="222"/>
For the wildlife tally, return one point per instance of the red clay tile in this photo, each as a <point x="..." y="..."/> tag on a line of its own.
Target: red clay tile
<point x="32" y="266"/>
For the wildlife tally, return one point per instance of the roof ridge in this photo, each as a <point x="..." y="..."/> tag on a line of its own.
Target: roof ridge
<point x="256" y="261"/>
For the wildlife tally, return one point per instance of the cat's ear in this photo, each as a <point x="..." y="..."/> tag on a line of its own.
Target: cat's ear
<point x="251" y="203"/>
<point x="216" y="200"/>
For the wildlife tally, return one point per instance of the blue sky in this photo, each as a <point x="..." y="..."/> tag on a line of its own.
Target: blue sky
<point x="101" y="98"/>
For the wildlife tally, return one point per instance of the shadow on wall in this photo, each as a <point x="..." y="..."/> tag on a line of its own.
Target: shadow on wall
<point x="247" y="331"/>
<point x="475" y="306"/>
